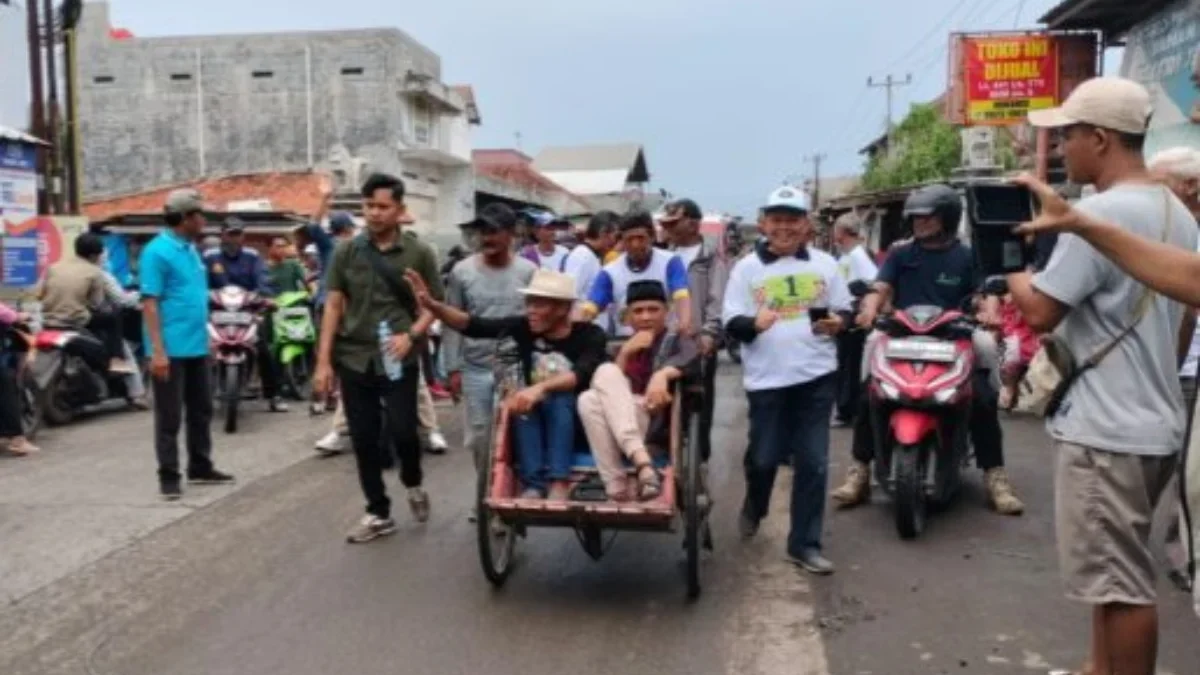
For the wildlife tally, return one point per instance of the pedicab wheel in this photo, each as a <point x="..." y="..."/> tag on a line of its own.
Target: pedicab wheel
<point x="496" y="538"/>
<point x="694" y="528"/>
<point x="909" y="493"/>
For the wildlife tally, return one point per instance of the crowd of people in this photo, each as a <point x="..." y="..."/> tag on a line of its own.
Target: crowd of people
<point x="1115" y="293"/>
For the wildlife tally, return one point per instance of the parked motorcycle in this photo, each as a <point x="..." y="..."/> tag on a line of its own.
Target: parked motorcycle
<point x="233" y="325"/>
<point x="71" y="372"/>
<point x="295" y="342"/>
<point x="18" y="348"/>
<point x="920" y="391"/>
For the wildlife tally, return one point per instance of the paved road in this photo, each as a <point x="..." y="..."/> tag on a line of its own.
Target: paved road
<point x="257" y="581"/>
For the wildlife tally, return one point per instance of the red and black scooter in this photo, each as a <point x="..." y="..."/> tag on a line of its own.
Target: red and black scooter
<point x="920" y="390"/>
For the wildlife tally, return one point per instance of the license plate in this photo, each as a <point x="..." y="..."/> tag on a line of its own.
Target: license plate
<point x="921" y="350"/>
<point x="232" y="317"/>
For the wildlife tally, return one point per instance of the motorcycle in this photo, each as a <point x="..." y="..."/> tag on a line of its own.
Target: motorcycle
<point x="920" y="392"/>
<point x="71" y="371"/>
<point x="19" y="345"/>
<point x="295" y="341"/>
<point x="233" y="325"/>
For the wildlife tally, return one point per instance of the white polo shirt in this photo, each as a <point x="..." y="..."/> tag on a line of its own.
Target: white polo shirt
<point x="788" y="353"/>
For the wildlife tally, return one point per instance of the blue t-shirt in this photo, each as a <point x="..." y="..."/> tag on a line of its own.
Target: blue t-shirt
<point x="172" y="272"/>
<point x="608" y="290"/>
<point x="919" y="276"/>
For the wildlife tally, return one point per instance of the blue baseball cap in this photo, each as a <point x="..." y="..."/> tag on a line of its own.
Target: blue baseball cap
<point x="340" y="222"/>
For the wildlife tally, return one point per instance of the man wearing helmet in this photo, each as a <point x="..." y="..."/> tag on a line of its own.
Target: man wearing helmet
<point x="934" y="269"/>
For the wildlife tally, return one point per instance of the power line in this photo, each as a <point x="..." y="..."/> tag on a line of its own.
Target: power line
<point x="940" y="25"/>
<point x="1020" y="10"/>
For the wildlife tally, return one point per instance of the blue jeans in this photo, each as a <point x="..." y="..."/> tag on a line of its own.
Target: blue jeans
<point x="545" y="441"/>
<point x="478" y="389"/>
<point x="791" y="422"/>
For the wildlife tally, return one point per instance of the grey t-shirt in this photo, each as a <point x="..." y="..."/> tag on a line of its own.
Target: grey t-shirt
<point x="485" y="292"/>
<point x="1131" y="402"/>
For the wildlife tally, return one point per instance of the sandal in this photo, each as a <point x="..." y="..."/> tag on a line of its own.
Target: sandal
<point x="649" y="483"/>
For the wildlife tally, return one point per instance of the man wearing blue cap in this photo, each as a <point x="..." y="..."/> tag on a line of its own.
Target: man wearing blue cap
<point x="546" y="252"/>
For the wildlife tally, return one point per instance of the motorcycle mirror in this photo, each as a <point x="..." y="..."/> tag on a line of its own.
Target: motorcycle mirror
<point x="995" y="285"/>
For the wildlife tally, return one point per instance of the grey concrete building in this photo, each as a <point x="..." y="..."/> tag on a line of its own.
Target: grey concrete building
<point x="157" y="111"/>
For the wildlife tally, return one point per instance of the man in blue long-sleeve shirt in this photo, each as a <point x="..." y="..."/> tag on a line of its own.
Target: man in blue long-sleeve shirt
<point x="234" y="264"/>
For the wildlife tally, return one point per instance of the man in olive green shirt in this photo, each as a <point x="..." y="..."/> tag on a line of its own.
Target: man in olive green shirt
<point x="359" y="299"/>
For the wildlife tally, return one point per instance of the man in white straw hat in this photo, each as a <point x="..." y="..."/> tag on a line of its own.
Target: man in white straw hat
<point x="558" y="358"/>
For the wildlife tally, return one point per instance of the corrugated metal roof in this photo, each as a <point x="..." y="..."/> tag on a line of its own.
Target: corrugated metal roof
<point x="1113" y="17"/>
<point x="11" y="134"/>
<point x="626" y="156"/>
<point x="594" y="182"/>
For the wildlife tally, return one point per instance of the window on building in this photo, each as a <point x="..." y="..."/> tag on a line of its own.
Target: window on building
<point x="262" y="74"/>
<point x="104" y="79"/>
<point x="181" y="77"/>
<point x="352" y="71"/>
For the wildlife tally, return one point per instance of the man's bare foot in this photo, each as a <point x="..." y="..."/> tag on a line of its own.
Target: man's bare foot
<point x="560" y="491"/>
<point x="21" y="447"/>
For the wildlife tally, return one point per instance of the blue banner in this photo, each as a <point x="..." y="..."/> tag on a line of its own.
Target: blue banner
<point x="16" y="155"/>
<point x="1163" y="54"/>
<point x="20" y="260"/>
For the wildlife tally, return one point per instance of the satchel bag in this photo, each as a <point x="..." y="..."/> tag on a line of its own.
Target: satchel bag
<point x="1053" y="370"/>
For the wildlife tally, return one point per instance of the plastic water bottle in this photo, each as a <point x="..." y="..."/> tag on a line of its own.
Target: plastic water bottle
<point x="391" y="365"/>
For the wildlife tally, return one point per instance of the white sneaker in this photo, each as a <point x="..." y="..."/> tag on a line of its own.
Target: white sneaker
<point x="333" y="443"/>
<point x="437" y="443"/>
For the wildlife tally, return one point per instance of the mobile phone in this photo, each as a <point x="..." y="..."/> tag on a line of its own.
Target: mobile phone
<point x="816" y="314"/>
<point x="995" y="210"/>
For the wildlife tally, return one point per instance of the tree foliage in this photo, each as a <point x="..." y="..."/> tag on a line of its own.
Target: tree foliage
<point x="924" y="148"/>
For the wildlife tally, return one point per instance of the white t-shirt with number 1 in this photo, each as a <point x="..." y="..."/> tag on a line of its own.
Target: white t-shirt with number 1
<point x="788" y="353"/>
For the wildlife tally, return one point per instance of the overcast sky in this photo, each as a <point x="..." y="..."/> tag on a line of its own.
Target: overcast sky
<point x="728" y="96"/>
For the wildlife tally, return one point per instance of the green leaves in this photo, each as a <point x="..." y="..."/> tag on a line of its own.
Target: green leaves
<point x="924" y="148"/>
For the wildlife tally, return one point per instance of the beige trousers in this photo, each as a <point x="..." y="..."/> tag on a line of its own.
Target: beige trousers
<point x="615" y="424"/>
<point x="426" y="414"/>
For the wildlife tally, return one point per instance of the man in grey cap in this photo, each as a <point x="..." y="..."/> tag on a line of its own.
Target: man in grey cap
<point x="174" y="287"/>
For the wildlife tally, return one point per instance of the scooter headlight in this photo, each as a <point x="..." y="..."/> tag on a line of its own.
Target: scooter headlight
<point x="889" y="390"/>
<point x="945" y="395"/>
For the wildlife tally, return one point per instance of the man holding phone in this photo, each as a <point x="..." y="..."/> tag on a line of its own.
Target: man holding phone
<point x="786" y="302"/>
<point x="934" y="269"/>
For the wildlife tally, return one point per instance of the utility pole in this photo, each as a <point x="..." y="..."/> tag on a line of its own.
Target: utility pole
<point x="54" y="131"/>
<point x="890" y="84"/>
<point x="37" y="117"/>
<point x="816" y="160"/>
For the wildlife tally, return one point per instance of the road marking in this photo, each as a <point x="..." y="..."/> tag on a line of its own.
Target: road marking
<point x="775" y="630"/>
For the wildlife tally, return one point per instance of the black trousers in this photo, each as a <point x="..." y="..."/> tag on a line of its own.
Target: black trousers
<point x="268" y="367"/>
<point x="187" y="388"/>
<point x="108" y="328"/>
<point x="850" y="345"/>
<point x="10" y="400"/>
<point x="362" y="394"/>
<point x="984" y="420"/>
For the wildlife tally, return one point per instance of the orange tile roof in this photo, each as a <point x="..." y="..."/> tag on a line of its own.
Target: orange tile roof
<point x="298" y="192"/>
<point x="516" y="168"/>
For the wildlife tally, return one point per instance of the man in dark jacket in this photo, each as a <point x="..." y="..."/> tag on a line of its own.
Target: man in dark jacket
<point x="708" y="272"/>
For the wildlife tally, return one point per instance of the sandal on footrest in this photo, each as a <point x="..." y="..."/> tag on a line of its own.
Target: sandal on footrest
<point x="589" y="490"/>
<point x="648" y="489"/>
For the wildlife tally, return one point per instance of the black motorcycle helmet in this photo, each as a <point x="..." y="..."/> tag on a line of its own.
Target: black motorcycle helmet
<point x="936" y="200"/>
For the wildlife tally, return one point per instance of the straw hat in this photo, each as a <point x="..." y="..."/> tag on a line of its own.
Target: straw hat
<point x="551" y="285"/>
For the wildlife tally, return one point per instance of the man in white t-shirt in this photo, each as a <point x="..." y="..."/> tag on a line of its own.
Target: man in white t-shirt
<point x="789" y="367"/>
<point x="855" y="264"/>
<point x="1180" y="168"/>
<point x="546" y="252"/>
<point x="585" y="261"/>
